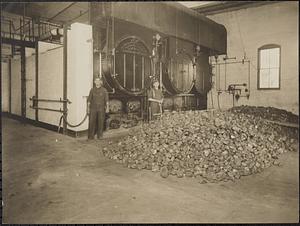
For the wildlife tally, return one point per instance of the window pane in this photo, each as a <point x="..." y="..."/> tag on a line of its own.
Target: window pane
<point x="274" y="58"/>
<point x="264" y="58"/>
<point x="264" y="78"/>
<point x="274" y="78"/>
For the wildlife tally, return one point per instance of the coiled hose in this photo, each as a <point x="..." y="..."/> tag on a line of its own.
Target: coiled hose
<point x="70" y="125"/>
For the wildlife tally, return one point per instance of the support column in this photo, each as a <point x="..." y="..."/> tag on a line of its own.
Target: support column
<point x="9" y="85"/>
<point x="65" y="77"/>
<point x="23" y="82"/>
<point x="37" y="78"/>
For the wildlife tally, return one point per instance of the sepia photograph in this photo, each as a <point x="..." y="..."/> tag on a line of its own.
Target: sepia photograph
<point x="140" y="112"/>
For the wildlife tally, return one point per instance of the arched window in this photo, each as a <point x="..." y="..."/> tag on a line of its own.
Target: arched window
<point x="269" y="67"/>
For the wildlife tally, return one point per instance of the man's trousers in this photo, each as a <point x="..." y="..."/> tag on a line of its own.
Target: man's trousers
<point x="96" y="121"/>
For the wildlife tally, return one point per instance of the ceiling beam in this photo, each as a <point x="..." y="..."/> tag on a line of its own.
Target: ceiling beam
<point x="80" y="15"/>
<point x="63" y="10"/>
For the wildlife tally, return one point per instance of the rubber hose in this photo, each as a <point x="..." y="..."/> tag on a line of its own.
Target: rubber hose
<point x="70" y="125"/>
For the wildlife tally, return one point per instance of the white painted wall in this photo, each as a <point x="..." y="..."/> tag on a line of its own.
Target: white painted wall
<point x="80" y="75"/>
<point x="30" y="82"/>
<point x="247" y="30"/>
<point x="4" y="87"/>
<point x="80" y="72"/>
<point x="16" y="86"/>
<point x="50" y="81"/>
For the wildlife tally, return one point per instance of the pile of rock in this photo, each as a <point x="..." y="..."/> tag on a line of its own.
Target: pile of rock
<point x="270" y="113"/>
<point x="211" y="146"/>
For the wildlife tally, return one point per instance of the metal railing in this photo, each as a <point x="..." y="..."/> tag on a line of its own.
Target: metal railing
<point x="27" y="29"/>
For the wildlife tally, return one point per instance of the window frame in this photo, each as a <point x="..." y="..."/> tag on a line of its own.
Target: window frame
<point x="268" y="46"/>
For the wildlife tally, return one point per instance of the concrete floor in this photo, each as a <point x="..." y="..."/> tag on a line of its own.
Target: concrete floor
<point x="51" y="178"/>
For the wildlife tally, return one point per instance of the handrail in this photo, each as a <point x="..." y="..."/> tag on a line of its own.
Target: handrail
<point x="47" y="109"/>
<point x="25" y="31"/>
<point x="50" y="100"/>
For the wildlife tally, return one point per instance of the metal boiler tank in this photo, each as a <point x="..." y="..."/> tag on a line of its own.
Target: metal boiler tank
<point x="125" y="37"/>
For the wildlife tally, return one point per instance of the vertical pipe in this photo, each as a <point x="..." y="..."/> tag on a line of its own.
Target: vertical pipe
<point x="225" y="74"/>
<point x="188" y="78"/>
<point x="39" y="29"/>
<point x="107" y="34"/>
<point x="65" y="77"/>
<point x="12" y="50"/>
<point x="182" y="76"/>
<point x="249" y="77"/>
<point x="10" y="29"/>
<point x="218" y="75"/>
<point x="203" y="81"/>
<point x="21" y="38"/>
<point x="99" y="47"/>
<point x="9" y="88"/>
<point x="23" y="82"/>
<point x="93" y="40"/>
<point x="114" y="57"/>
<point x="113" y="24"/>
<point x="23" y="29"/>
<point x="171" y="65"/>
<point x="194" y="72"/>
<point x="37" y="78"/>
<point x="160" y="75"/>
<point x="100" y="62"/>
<point x="124" y="72"/>
<point x="29" y="28"/>
<point x="32" y="22"/>
<point x="89" y="13"/>
<point x="143" y="72"/>
<point x="133" y="73"/>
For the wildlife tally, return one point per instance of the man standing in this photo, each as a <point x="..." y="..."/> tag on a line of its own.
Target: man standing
<point x="97" y="106"/>
<point x="155" y="98"/>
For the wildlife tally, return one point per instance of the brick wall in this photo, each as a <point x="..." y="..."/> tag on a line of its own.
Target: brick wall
<point x="249" y="29"/>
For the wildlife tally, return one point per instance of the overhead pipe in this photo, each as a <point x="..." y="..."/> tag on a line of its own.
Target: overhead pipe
<point x="63" y="10"/>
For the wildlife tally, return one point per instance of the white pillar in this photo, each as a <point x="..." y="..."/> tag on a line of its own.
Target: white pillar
<point x="80" y="72"/>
